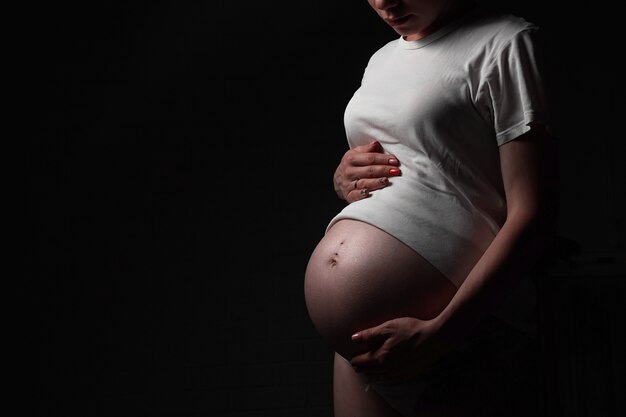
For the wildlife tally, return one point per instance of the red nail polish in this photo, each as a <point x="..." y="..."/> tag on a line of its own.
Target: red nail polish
<point x="393" y="161"/>
<point x="394" y="171"/>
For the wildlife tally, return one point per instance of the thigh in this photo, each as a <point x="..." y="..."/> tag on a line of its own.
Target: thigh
<point x="350" y="398"/>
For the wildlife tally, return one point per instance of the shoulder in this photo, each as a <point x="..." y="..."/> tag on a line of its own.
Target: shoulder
<point x="488" y="36"/>
<point x="500" y="24"/>
<point x="494" y="30"/>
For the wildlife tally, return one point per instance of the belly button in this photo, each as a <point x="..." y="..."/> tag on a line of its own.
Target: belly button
<point x="333" y="259"/>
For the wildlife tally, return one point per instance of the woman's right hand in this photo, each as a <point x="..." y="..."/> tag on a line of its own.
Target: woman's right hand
<point x="364" y="169"/>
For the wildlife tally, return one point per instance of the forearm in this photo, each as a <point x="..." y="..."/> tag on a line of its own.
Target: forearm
<point x="508" y="259"/>
<point x="529" y="168"/>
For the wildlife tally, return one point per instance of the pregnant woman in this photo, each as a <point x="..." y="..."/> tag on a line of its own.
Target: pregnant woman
<point x="421" y="283"/>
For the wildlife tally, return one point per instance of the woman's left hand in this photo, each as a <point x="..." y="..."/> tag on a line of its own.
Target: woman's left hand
<point x="403" y="347"/>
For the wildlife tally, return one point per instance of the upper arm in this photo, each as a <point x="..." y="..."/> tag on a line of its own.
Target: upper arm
<point x="529" y="168"/>
<point x="512" y="93"/>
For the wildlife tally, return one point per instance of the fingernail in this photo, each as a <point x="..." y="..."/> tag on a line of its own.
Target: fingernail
<point x="393" y="161"/>
<point x="356" y="336"/>
<point x="394" y="171"/>
<point x="384" y="180"/>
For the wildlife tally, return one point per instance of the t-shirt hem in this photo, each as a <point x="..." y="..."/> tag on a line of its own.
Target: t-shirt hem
<point x="518" y="129"/>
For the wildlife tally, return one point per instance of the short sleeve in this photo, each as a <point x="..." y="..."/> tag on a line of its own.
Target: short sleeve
<point x="514" y="80"/>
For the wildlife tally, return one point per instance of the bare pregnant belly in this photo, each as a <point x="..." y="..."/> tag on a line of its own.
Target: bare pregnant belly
<point x="358" y="276"/>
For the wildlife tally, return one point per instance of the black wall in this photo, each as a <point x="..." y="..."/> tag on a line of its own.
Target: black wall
<point x="180" y="173"/>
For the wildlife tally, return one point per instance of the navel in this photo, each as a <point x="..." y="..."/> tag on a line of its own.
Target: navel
<point x="334" y="259"/>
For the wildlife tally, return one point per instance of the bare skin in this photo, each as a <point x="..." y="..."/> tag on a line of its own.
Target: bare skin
<point x="399" y="345"/>
<point x="416" y="19"/>
<point x="364" y="169"/>
<point x="471" y="395"/>
<point x="528" y="166"/>
<point x="350" y="397"/>
<point x="359" y="276"/>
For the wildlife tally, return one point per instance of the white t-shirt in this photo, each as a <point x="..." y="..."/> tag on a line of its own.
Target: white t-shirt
<point x="443" y="105"/>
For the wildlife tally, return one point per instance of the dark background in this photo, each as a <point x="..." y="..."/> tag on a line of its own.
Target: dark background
<point x="180" y="173"/>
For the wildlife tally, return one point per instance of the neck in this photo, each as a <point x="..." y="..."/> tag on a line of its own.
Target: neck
<point x="453" y="10"/>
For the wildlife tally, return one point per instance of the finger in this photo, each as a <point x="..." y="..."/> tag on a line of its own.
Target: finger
<point x="373" y="146"/>
<point x="382" y="362"/>
<point x="366" y="159"/>
<point x="356" y="195"/>
<point x="371" y="335"/>
<point x="370" y="362"/>
<point x="362" y="187"/>
<point x="371" y="184"/>
<point x="372" y="172"/>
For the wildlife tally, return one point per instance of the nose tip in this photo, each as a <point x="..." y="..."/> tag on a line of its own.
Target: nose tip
<point x="385" y="4"/>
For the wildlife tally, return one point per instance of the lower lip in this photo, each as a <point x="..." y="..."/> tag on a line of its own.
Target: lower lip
<point x="400" y="21"/>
